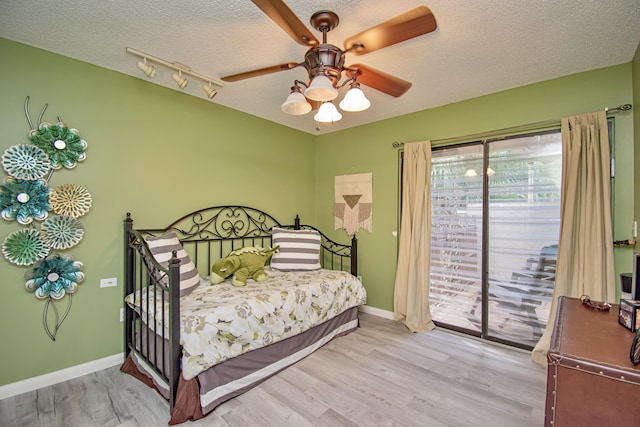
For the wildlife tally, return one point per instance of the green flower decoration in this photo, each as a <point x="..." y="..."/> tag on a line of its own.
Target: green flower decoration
<point x="61" y="231"/>
<point x="24" y="247"/>
<point x="63" y="145"/>
<point x="54" y="276"/>
<point x="24" y="200"/>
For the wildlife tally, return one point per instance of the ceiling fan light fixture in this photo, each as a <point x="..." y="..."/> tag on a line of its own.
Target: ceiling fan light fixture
<point x="321" y="89"/>
<point x="148" y="69"/>
<point x="180" y="80"/>
<point x="327" y="113"/>
<point x="355" y="100"/>
<point x="296" y="104"/>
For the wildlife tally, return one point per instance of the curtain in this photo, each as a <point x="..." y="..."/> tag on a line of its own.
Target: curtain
<point x="585" y="248"/>
<point x="411" y="292"/>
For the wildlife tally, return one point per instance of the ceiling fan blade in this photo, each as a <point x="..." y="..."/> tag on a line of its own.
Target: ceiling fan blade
<point x="379" y="80"/>
<point x="413" y="23"/>
<point x="260" y="72"/>
<point x="288" y="21"/>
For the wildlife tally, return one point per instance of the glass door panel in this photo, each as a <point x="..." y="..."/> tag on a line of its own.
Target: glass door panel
<point x="456" y="236"/>
<point x="524" y="175"/>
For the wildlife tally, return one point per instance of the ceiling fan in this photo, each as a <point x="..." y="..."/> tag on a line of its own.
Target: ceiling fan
<point x="325" y="63"/>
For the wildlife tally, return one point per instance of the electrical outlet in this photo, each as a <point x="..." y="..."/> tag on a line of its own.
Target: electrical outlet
<point x="121" y="314"/>
<point x="109" y="283"/>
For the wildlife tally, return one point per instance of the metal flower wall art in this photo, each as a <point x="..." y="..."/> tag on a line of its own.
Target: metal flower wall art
<point x="49" y="216"/>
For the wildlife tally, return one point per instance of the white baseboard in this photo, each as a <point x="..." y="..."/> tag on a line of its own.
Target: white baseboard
<point x="377" y="312"/>
<point x="62" y="375"/>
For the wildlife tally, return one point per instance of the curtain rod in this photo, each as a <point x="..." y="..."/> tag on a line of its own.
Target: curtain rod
<point x="623" y="107"/>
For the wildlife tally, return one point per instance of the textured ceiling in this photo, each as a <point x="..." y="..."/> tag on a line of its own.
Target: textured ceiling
<point x="480" y="46"/>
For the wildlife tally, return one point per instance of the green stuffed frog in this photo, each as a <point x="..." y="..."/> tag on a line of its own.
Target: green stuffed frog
<point x="245" y="263"/>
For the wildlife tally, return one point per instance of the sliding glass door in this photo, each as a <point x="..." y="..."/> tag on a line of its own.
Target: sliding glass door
<point x="496" y="216"/>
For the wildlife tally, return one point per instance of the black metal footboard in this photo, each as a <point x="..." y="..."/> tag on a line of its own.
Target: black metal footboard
<point x="206" y="235"/>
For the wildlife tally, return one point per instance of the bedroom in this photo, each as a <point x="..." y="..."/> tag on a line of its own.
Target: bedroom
<point x="137" y="131"/>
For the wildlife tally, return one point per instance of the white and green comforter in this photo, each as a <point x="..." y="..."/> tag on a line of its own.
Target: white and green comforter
<point x="219" y="322"/>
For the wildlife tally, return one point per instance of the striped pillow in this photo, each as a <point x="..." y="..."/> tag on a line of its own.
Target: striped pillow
<point x="161" y="248"/>
<point x="299" y="249"/>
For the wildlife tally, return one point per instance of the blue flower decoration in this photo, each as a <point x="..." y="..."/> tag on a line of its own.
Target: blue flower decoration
<point x="54" y="276"/>
<point x="63" y="145"/>
<point x="24" y="200"/>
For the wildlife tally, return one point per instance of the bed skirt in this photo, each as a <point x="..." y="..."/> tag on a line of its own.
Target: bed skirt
<point x="199" y="396"/>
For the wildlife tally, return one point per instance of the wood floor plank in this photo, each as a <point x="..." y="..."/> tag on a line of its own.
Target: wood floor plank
<point x="379" y="375"/>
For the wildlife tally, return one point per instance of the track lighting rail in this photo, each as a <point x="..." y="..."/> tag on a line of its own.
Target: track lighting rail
<point x="177" y="66"/>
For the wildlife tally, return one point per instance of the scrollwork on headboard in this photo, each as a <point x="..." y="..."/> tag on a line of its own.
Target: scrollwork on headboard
<point x="223" y="222"/>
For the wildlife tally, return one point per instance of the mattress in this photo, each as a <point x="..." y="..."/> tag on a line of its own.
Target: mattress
<point x="220" y="322"/>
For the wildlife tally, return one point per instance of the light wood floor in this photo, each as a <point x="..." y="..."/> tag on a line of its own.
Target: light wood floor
<point x="379" y="375"/>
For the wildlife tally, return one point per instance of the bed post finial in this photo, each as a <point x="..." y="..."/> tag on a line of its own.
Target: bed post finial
<point x="296" y="223"/>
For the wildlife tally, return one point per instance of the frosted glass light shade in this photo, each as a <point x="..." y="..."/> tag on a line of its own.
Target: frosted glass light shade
<point x="321" y="89"/>
<point x="148" y="69"/>
<point x="327" y="113"/>
<point x="296" y="104"/>
<point x="354" y="100"/>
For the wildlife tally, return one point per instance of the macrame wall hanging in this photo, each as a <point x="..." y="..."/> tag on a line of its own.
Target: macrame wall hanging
<point x="353" y="208"/>
<point x="49" y="216"/>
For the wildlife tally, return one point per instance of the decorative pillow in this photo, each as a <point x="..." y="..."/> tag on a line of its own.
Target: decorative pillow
<point x="299" y="249"/>
<point x="161" y="248"/>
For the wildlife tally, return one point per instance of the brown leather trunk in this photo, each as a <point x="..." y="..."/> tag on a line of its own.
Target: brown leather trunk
<point x="590" y="378"/>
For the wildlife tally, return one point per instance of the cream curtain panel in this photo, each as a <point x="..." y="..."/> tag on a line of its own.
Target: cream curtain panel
<point x="585" y="249"/>
<point x="411" y="293"/>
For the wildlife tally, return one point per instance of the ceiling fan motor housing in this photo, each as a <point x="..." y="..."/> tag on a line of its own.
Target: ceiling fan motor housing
<point x="325" y="59"/>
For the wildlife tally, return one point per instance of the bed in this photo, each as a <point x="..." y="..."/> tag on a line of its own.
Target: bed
<point x="200" y="344"/>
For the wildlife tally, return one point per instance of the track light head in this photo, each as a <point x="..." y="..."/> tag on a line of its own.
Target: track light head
<point x="180" y="80"/>
<point x="209" y="90"/>
<point x="148" y="69"/>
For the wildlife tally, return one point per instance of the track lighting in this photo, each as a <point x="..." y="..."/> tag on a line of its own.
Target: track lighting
<point x="149" y="70"/>
<point x="209" y="91"/>
<point x="181" y="81"/>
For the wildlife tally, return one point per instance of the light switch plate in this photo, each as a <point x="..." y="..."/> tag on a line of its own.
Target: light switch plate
<point x="109" y="283"/>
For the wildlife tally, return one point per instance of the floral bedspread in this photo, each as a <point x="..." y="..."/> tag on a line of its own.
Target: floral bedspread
<point x="219" y="322"/>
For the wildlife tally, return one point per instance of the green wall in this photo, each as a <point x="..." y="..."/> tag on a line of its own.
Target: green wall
<point x="159" y="153"/>
<point x="368" y="149"/>
<point x="154" y="152"/>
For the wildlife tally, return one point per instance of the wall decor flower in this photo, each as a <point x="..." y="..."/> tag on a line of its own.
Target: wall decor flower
<point x="24" y="200"/>
<point x="24" y="247"/>
<point x="51" y="279"/>
<point x="61" y="231"/>
<point x="62" y="144"/>
<point x="70" y="199"/>
<point x="54" y="276"/>
<point x="26" y="162"/>
<point x="25" y="196"/>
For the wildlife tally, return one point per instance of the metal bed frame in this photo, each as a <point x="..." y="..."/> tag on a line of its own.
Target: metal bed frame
<point x="207" y="234"/>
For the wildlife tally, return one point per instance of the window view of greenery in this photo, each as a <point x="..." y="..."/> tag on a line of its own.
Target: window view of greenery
<point x="516" y="220"/>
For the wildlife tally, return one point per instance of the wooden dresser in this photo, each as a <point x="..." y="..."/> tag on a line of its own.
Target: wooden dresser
<point x="590" y="379"/>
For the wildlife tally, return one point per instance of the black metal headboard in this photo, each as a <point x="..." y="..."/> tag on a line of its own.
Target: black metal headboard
<point x="211" y="233"/>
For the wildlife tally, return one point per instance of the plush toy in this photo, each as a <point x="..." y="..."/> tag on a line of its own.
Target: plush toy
<point x="245" y="263"/>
